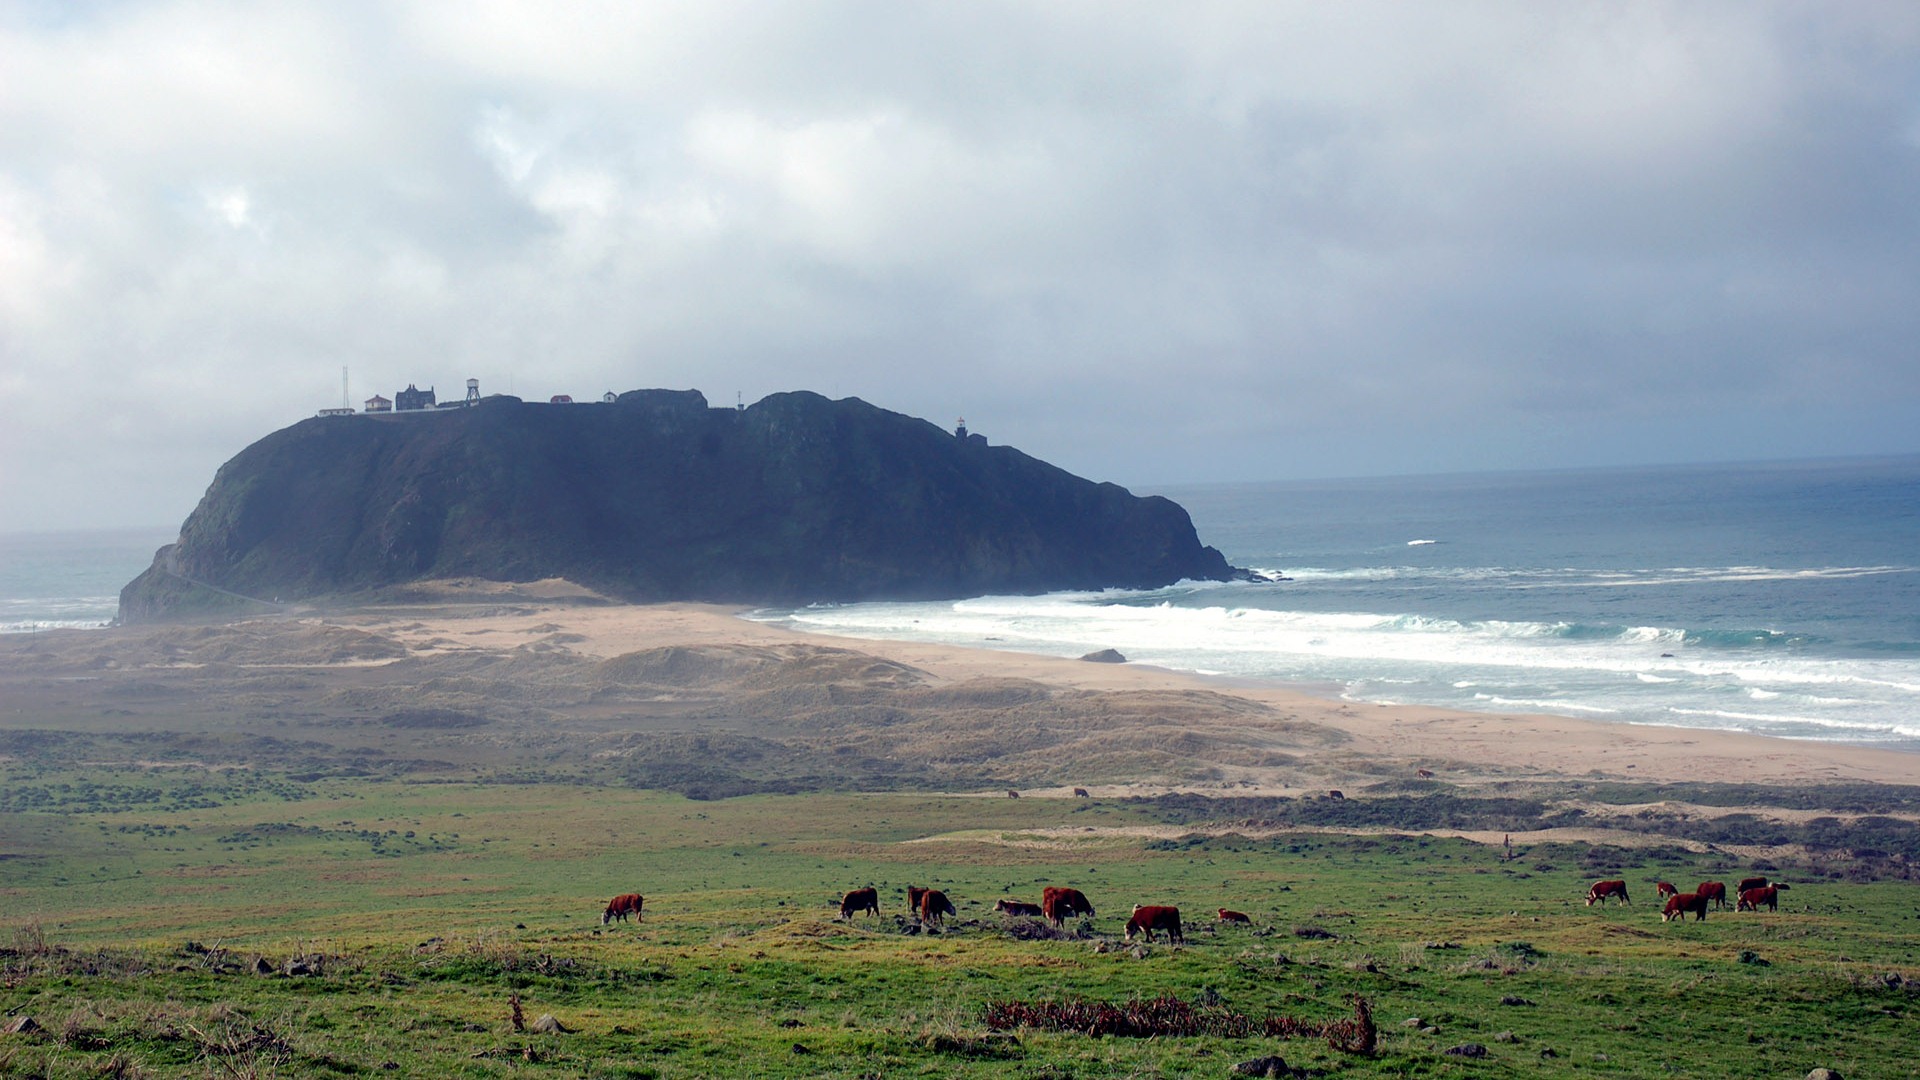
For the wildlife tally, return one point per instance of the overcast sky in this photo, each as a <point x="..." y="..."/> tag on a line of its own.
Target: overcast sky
<point x="1152" y="243"/>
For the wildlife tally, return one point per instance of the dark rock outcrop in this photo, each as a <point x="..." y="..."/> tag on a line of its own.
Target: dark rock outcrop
<point x="656" y="496"/>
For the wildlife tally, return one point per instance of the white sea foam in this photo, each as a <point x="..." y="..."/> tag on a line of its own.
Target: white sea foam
<point x="1639" y="673"/>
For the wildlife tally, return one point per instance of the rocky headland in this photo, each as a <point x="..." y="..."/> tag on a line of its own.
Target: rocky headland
<point x="657" y="496"/>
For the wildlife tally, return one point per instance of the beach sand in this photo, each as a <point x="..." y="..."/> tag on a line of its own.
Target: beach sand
<point x="1383" y="740"/>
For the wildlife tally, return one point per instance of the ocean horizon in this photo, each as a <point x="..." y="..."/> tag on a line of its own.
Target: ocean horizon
<point x="1779" y="598"/>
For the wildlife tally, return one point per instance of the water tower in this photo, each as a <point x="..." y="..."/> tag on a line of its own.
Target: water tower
<point x="473" y="391"/>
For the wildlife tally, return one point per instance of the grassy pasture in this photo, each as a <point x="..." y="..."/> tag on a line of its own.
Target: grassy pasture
<point x="134" y="903"/>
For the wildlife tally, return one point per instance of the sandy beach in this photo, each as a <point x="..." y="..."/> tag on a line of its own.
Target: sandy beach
<point x="1383" y="739"/>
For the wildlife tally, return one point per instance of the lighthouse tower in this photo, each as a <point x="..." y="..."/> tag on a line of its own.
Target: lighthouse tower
<point x="960" y="430"/>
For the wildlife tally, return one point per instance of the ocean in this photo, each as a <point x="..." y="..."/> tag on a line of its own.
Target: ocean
<point x="60" y="580"/>
<point x="1778" y="598"/>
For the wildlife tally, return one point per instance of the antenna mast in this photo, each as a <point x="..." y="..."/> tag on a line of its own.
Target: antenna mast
<point x="343" y="387"/>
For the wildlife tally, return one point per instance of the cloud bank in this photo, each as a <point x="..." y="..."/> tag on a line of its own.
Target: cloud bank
<point x="1151" y="243"/>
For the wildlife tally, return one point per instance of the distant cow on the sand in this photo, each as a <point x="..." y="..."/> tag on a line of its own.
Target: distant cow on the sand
<point x="1081" y="793"/>
<point x="934" y="907"/>
<point x="1751" y="899"/>
<point x="1234" y="917"/>
<point x="1750" y="883"/>
<point x="1713" y="892"/>
<point x="1011" y="794"/>
<point x="1664" y="889"/>
<point x="1336" y="794"/>
<point x="622" y="906"/>
<point x="1155" y="917"/>
<point x="1424" y="774"/>
<point x="859" y="900"/>
<point x="1061" y="904"/>
<point x="1678" y="906"/>
<point x="1603" y="889"/>
<point x="1018" y="907"/>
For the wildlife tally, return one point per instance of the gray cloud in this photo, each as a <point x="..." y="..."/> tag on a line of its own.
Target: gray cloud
<point x="1153" y="243"/>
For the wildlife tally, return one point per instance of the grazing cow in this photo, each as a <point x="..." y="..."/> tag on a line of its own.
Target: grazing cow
<point x="1750" y="883"/>
<point x="1679" y="905"/>
<point x="1664" y="889"/>
<point x="1061" y="904"/>
<point x="1751" y="899"/>
<point x="934" y="906"/>
<point x="914" y="893"/>
<point x="1424" y="774"/>
<point x="1336" y="794"/>
<point x="1148" y="919"/>
<point x="859" y="900"/>
<point x="1235" y="916"/>
<point x="622" y="906"/>
<point x="1018" y="907"/>
<point x="1011" y="794"/>
<point x="1081" y="793"/>
<point x="1603" y="889"/>
<point x="1712" y="891"/>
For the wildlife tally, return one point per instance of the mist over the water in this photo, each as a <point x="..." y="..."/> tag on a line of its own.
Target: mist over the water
<point x="1782" y="599"/>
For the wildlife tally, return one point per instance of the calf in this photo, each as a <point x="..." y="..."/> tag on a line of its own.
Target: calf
<point x="1018" y="907"/>
<point x="1664" y="889"/>
<point x="1678" y="906"/>
<point x="1602" y="889"/>
<point x="1234" y="917"/>
<point x="1714" y="891"/>
<point x="859" y="900"/>
<point x="1148" y="919"/>
<point x="622" y="906"/>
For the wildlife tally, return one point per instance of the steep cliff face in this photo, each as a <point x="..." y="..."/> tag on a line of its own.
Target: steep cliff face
<point x="659" y="497"/>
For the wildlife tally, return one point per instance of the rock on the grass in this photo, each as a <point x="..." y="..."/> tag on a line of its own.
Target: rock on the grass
<point x="1823" y="1074"/>
<point x="547" y="1024"/>
<point x="1473" y="1050"/>
<point x="1271" y="1065"/>
<point x="22" y="1025"/>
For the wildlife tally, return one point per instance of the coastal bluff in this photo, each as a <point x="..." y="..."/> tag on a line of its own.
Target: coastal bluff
<point x="657" y="496"/>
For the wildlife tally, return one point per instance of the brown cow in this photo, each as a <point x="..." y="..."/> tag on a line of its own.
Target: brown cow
<point x="1081" y="793"/>
<point x="1750" y="883"/>
<point x="934" y="905"/>
<point x="1018" y="907"/>
<point x="1664" y="889"/>
<point x="1678" y="906"/>
<point x="1235" y="916"/>
<point x="1424" y="774"/>
<point x="1712" y="891"/>
<point x="1061" y="904"/>
<point x="622" y="906"/>
<point x="1751" y="899"/>
<point x="1148" y="919"/>
<point x="1336" y="794"/>
<point x="1603" y="889"/>
<point x="859" y="900"/>
<point x="1012" y="794"/>
<point x="914" y="893"/>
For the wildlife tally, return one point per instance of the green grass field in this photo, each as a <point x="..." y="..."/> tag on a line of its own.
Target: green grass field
<point x="136" y="903"/>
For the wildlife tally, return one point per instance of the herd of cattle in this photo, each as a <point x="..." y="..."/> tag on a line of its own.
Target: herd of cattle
<point x="1057" y="905"/>
<point x="1750" y="894"/>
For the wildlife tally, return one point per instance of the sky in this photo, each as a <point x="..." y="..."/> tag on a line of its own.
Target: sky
<point x="1153" y="243"/>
